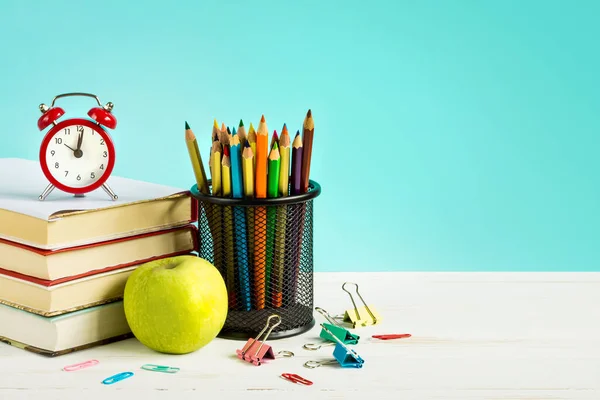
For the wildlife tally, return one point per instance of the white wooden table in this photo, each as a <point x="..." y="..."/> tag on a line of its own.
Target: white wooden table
<point x="475" y="336"/>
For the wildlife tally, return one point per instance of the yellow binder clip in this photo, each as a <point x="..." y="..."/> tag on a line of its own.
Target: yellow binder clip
<point x="360" y="316"/>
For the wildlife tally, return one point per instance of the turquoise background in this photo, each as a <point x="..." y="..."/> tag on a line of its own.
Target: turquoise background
<point x="450" y="135"/>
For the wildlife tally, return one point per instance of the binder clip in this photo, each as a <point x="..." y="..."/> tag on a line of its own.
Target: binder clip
<point x="345" y="356"/>
<point x="333" y="329"/>
<point x="360" y="316"/>
<point x="256" y="351"/>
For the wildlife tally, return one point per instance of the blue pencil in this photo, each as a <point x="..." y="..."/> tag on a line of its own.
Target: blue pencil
<point x="239" y="217"/>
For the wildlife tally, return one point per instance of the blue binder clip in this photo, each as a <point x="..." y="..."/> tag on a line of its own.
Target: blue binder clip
<point x="344" y="356"/>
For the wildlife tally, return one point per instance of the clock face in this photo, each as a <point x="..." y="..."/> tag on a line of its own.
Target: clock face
<point x="78" y="154"/>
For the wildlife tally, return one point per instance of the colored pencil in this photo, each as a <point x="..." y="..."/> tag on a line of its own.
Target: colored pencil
<point x="279" y="266"/>
<point x="228" y="227"/>
<point x="248" y="173"/>
<point x="196" y="159"/>
<point x="216" y="168"/>
<point x="215" y="131"/>
<point x="274" y="139"/>
<point x="307" y="142"/>
<point x="272" y="191"/>
<point x="260" y="216"/>
<point x="252" y="141"/>
<point x="297" y="149"/>
<point x="239" y="219"/>
<point x="215" y="212"/>
<point x="296" y="211"/>
<point x="242" y="134"/>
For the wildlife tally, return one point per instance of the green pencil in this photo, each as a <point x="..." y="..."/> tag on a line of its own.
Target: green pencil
<point x="272" y="191"/>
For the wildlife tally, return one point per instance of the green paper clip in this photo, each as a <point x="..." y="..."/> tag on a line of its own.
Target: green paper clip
<point x="160" y="368"/>
<point x="335" y="329"/>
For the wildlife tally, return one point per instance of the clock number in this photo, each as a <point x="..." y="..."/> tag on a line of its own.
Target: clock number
<point x="67" y="131"/>
<point x="52" y="152"/>
<point x="101" y="141"/>
<point x="104" y="154"/>
<point x="66" y="173"/>
<point x="101" y="166"/>
<point x="58" y="140"/>
<point x="80" y="128"/>
<point x="78" y="177"/>
<point x="93" y="176"/>
<point x="55" y="165"/>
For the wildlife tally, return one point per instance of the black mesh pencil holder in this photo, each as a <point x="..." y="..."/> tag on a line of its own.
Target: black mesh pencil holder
<point x="263" y="248"/>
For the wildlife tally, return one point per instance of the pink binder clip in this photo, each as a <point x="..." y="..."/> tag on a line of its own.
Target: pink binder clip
<point x="256" y="351"/>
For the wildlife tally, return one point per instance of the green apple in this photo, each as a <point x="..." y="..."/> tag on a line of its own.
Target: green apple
<point x="175" y="305"/>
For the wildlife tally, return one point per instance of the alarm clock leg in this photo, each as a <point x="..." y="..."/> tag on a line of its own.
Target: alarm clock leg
<point x="46" y="192"/>
<point x="109" y="191"/>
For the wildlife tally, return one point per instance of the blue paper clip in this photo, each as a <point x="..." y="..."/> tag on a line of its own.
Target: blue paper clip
<point x="116" y="378"/>
<point x="160" y="368"/>
<point x="345" y="356"/>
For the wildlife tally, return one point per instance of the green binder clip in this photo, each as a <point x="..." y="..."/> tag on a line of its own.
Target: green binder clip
<point x="360" y="316"/>
<point x="335" y="329"/>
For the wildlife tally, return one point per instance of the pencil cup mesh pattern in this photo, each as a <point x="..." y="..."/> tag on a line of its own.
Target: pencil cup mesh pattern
<point x="265" y="255"/>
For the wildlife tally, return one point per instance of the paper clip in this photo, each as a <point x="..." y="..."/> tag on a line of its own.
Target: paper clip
<point x="344" y="355"/>
<point x="390" y="337"/>
<point x="79" y="366"/>
<point x="160" y="368"/>
<point x="296" y="379"/>
<point x="256" y="351"/>
<point x="353" y="316"/>
<point x="336" y="330"/>
<point x="116" y="378"/>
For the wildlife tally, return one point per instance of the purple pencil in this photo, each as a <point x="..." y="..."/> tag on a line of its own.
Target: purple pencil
<point x="295" y="216"/>
<point x="296" y="164"/>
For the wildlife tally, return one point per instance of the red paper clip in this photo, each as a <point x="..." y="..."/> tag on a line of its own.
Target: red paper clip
<point x="388" y="337"/>
<point x="296" y="379"/>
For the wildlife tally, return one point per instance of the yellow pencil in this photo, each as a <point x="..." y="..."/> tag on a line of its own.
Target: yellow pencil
<point x="252" y="141"/>
<point x="248" y="178"/>
<point x="216" y="168"/>
<point x="196" y="159"/>
<point x="216" y="214"/>
<point x="284" y="175"/>
<point x="228" y="227"/>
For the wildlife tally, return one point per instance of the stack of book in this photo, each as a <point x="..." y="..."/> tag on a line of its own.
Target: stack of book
<point x="64" y="261"/>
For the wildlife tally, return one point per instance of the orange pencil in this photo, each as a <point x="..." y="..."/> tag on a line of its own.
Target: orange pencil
<point x="260" y="216"/>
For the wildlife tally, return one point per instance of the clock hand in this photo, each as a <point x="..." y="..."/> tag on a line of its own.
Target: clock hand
<point x="79" y="141"/>
<point x="70" y="147"/>
<point x="77" y="152"/>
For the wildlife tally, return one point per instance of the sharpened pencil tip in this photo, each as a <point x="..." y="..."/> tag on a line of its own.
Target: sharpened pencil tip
<point x="297" y="133"/>
<point x="216" y="124"/>
<point x="234" y="131"/>
<point x="246" y="144"/>
<point x="241" y="123"/>
<point x="187" y="126"/>
<point x="309" y="113"/>
<point x="228" y="131"/>
<point x="262" y="119"/>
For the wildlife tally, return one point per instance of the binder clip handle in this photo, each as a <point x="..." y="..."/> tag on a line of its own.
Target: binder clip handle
<point x="296" y="379"/>
<point x="328" y="317"/>
<point x="374" y="318"/>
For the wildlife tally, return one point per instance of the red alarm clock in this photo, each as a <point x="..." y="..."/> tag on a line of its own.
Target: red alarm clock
<point x="77" y="155"/>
